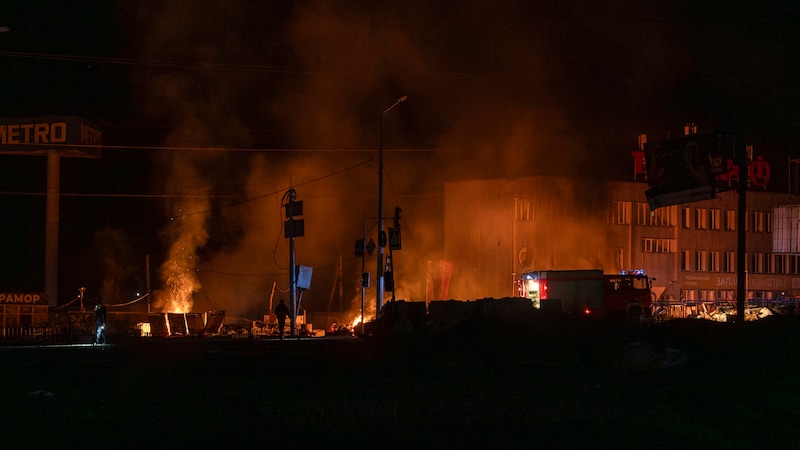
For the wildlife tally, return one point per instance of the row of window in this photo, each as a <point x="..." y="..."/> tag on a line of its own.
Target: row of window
<point x="714" y="261"/>
<point x="725" y="295"/>
<point x="692" y="218"/>
<point x="711" y="219"/>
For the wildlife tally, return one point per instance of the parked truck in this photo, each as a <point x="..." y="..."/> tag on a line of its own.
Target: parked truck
<point x="589" y="292"/>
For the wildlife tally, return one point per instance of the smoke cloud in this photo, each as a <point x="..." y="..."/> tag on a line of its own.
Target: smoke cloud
<point x="495" y="90"/>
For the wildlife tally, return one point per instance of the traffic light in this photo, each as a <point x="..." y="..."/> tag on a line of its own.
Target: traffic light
<point x="388" y="281"/>
<point x="365" y="279"/>
<point x="395" y="243"/>
<point x="293" y="227"/>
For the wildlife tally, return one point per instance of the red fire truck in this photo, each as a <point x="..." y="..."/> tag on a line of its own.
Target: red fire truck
<point x="588" y="292"/>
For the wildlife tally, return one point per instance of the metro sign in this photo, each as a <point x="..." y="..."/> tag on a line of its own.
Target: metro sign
<point x="66" y="135"/>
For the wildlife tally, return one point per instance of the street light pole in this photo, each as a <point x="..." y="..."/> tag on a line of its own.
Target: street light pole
<point x="381" y="234"/>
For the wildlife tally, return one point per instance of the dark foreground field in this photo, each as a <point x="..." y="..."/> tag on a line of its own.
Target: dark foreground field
<point x="681" y="384"/>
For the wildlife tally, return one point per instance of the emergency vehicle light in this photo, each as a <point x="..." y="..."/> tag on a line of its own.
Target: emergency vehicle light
<point x="632" y="272"/>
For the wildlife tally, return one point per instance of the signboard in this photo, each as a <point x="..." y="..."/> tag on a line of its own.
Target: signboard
<point x="23" y="298"/>
<point x="395" y="242"/>
<point x="727" y="281"/>
<point x="673" y="168"/>
<point x="294" y="228"/>
<point x="68" y="135"/>
<point x="678" y="172"/>
<point x="304" y="276"/>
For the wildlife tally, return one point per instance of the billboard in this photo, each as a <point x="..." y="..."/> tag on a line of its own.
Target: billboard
<point x="686" y="169"/>
<point x="70" y="136"/>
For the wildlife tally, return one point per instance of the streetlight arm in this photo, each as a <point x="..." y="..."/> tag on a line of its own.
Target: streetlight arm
<point x="399" y="100"/>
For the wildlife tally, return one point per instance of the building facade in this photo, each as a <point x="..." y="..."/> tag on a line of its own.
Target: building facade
<point x="497" y="229"/>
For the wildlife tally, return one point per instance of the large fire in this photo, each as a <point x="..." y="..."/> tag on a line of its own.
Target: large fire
<point x="180" y="284"/>
<point x="179" y="271"/>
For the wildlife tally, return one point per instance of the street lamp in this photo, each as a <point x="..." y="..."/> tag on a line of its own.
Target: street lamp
<point x="381" y="234"/>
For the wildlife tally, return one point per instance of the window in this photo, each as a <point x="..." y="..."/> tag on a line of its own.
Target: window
<point x="685" y="255"/>
<point x="700" y="258"/>
<point x="701" y="219"/>
<point x="687" y="218"/>
<point x="757" y="263"/>
<point x="769" y="263"/>
<point x="621" y="214"/>
<point x="522" y="209"/>
<point x="782" y="264"/>
<point x="713" y="261"/>
<point x="705" y="294"/>
<point x="664" y="217"/>
<point x="714" y="218"/>
<point x="758" y="221"/>
<point x="768" y="221"/>
<point x="652" y="245"/>
<point x="727" y="295"/>
<point x="730" y="220"/>
<point x="794" y="267"/>
<point x="730" y="262"/>
<point x="642" y="213"/>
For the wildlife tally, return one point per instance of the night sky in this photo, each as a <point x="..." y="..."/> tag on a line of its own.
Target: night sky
<point x="296" y="89"/>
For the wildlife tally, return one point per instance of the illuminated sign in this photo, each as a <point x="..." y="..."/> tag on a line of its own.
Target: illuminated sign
<point x="23" y="298"/>
<point x="67" y="135"/>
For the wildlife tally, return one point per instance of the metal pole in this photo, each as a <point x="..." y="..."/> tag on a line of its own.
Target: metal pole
<point x="147" y="279"/>
<point x="381" y="239"/>
<point x="292" y="282"/>
<point x="363" y="268"/>
<point x="288" y="198"/>
<point x="51" y="228"/>
<point x="741" y="233"/>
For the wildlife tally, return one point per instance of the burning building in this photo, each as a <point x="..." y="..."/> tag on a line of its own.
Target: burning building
<point x="498" y="228"/>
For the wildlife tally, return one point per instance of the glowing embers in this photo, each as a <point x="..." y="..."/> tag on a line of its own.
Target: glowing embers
<point x="184" y="324"/>
<point x="180" y="283"/>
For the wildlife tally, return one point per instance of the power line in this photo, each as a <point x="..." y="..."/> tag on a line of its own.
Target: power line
<point x="154" y="63"/>
<point x="231" y="149"/>
<point x="62" y="194"/>
<point x="270" y="194"/>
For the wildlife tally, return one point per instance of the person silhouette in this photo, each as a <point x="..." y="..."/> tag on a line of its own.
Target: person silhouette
<point x="100" y="323"/>
<point x="281" y="311"/>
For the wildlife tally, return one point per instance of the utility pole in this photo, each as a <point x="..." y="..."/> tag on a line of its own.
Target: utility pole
<point x="292" y="228"/>
<point x="381" y="233"/>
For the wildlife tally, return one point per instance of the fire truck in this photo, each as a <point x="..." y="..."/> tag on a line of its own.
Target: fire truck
<point x="588" y="292"/>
